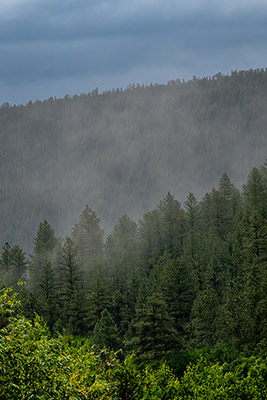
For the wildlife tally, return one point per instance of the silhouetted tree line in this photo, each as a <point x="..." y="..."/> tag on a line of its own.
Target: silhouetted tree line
<point x="183" y="277"/>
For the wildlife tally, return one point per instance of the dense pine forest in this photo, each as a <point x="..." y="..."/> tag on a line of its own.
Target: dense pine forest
<point x="171" y="307"/>
<point x="121" y="151"/>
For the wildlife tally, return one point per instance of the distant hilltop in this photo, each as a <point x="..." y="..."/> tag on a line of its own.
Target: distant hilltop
<point x="121" y="151"/>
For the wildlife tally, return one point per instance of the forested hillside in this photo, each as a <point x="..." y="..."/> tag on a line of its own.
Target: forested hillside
<point x="123" y="150"/>
<point x="189" y="276"/>
<point x="184" y="290"/>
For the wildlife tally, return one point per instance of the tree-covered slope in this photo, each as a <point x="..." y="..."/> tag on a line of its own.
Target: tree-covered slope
<point x="121" y="151"/>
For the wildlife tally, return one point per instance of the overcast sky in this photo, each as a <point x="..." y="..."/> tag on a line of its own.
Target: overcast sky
<point x="57" y="47"/>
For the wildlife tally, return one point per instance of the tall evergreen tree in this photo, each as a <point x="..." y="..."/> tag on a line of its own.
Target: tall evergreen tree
<point x="152" y="333"/>
<point x="98" y="297"/>
<point x="88" y="238"/>
<point x="205" y="317"/>
<point x="122" y="250"/>
<point x="172" y="225"/>
<point x="44" y="249"/>
<point x="106" y="333"/>
<point x="178" y="283"/>
<point x="70" y="290"/>
<point x="6" y="257"/>
<point x="5" y="265"/>
<point x="192" y="239"/>
<point x="19" y="263"/>
<point x="48" y="295"/>
<point x="150" y="241"/>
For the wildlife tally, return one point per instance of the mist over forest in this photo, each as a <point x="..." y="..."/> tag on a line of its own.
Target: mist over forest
<point x="121" y="151"/>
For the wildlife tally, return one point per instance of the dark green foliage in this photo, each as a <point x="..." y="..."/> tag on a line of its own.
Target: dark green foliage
<point x="181" y="279"/>
<point x="120" y="311"/>
<point x="205" y="314"/>
<point x="48" y="295"/>
<point x="19" y="263"/>
<point x="6" y="258"/>
<point x="172" y="225"/>
<point x="44" y="250"/>
<point x="29" y="304"/>
<point x="98" y="297"/>
<point x="176" y="280"/>
<point x="151" y="246"/>
<point x="106" y="333"/>
<point x="153" y="333"/>
<point x="71" y="293"/>
<point x="13" y="265"/>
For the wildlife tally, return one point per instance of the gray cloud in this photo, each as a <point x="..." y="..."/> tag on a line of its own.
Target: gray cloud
<point x="82" y="41"/>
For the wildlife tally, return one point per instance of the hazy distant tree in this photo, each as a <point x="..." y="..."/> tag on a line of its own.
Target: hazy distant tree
<point x="121" y="243"/>
<point x="5" y="264"/>
<point x="44" y="249"/>
<point x="150" y="240"/>
<point x="19" y="265"/>
<point x="13" y="265"/>
<point x="192" y="216"/>
<point x="256" y="192"/>
<point x="88" y="238"/>
<point x="6" y="257"/>
<point x="225" y="186"/>
<point x="122" y="250"/>
<point x="192" y="210"/>
<point x="205" y="213"/>
<point x="172" y="225"/>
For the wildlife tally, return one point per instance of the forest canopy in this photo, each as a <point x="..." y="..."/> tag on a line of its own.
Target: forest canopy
<point x="172" y="307"/>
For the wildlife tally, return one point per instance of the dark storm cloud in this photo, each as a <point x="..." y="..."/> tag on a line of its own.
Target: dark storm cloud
<point x="48" y="40"/>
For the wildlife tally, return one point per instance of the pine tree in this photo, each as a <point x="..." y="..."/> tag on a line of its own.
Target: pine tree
<point x="98" y="297"/>
<point x="122" y="250"/>
<point x="153" y="333"/>
<point x="225" y="186"/>
<point x="192" y="239"/>
<point x="172" y="225"/>
<point x="255" y="192"/>
<point x="235" y="322"/>
<point x="48" y="295"/>
<point x="106" y="333"/>
<point x="88" y="238"/>
<point x="19" y="263"/>
<point x="6" y="257"/>
<point x="205" y="313"/>
<point x="44" y="249"/>
<point x="178" y="284"/>
<point x="119" y="311"/>
<point x="5" y="265"/>
<point x="71" y="291"/>
<point x="150" y="241"/>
